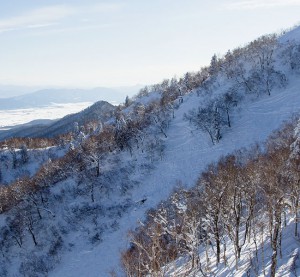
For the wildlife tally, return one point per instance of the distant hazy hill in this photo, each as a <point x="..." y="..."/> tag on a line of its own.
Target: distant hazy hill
<point x="101" y="110"/>
<point x="7" y="91"/>
<point x="46" y="97"/>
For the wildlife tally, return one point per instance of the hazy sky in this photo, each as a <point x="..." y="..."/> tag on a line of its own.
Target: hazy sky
<point x="87" y="43"/>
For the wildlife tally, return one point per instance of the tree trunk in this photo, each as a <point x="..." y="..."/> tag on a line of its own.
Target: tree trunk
<point x="274" y="243"/>
<point x="217" y="239"/>
<point x="224" y="253"/>
<point x="33" y="236"/>
<point x="98" y="168"/>
<point x="296" y="217"/>
<point x="263" y="251"/>
<point x="92" y="192"/>
<point x="18" y="242"/>
<point x="228" y="118"/>
<point x="30" y="229"/>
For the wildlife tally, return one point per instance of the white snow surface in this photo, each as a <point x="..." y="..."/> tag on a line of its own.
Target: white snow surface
<point x="187" y="153"/>
<point x="293" y="35"/>
<point x="36" y="158"/>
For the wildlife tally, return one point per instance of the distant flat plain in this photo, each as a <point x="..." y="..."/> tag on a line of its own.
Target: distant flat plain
<point x="10" y="118"/>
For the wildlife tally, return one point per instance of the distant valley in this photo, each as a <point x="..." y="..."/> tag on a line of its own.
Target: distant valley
<point x="101" y="110"/>
<point x="42" y="98"/>
<point x="26" y="114"/>
<point x="15" y="118"/>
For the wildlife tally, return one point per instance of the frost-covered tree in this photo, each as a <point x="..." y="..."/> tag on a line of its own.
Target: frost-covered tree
<point x="293" y="170"/>
<point x="125" y="132"/>
<point x="170" y="92"/>
<point x="16" y="228"/>
<point x="24" y="154"/>
<point x="213" y="199"/>
<point x="186" y="82"/>
<point x="291" y="55"/>
<point x="227" y="102"/>
<point x="217" y="122"/>
<point x="214" y="65"/>
<point x="144" y="92"/>
<point x="76" y="128"/>
<point x="127" y="101"/>
<point x="14" y="158"/>
<point x="295" y="147"/>
<point x="207" y="119"/>
<point x="192" y="235"/>
<point x="236" y="213"/>
<point x="264" y="76"/>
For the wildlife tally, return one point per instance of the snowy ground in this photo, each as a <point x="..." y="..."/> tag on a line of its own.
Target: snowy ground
<point x="187" y="153"/>
<point x="9" y="118"/>
<point x="249" y="263"/>
<point x="36" y="158"/>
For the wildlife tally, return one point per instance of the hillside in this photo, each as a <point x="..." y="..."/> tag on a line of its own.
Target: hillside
<point x="100" y="111"/>
<point x="72" y="218"/>
<point x="187" y="153"/>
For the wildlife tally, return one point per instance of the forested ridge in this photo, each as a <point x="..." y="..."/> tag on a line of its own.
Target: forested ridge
<point x="87" y="189"/>
<point x="247" y="195"/>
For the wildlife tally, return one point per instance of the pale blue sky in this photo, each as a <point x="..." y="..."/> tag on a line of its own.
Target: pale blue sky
<point x="92" y="43"/>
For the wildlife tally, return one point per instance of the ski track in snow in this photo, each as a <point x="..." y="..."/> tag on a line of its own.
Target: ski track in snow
<point x="187" y="153"/>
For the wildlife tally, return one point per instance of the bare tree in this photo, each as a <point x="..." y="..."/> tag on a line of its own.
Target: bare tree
<point x="207" y="119"/>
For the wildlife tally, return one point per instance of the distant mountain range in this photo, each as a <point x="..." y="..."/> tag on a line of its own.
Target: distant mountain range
<point x="46" y="97"/>
<point x="7" y="91"/>
<point x="101" y="111"/>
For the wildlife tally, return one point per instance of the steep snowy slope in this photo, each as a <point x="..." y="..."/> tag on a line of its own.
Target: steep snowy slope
<point x="187" y="153"/>
<point x="89" y="200"/>
<point x="18" y="163"/>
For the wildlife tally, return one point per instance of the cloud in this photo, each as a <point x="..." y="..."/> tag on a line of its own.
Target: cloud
<point x="259" y="4"/>
<point x="38" y="18"/>
<point x="102" y="8"/>
<point x="72" y="29"/>
<point x="52" y="15"/>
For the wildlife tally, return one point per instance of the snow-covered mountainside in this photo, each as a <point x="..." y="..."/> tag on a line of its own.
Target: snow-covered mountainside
<point x="99" y="111"/>
<point x="23" y="162"/>
<point x="72" y="218"/>
<point x="186" y="154"/>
